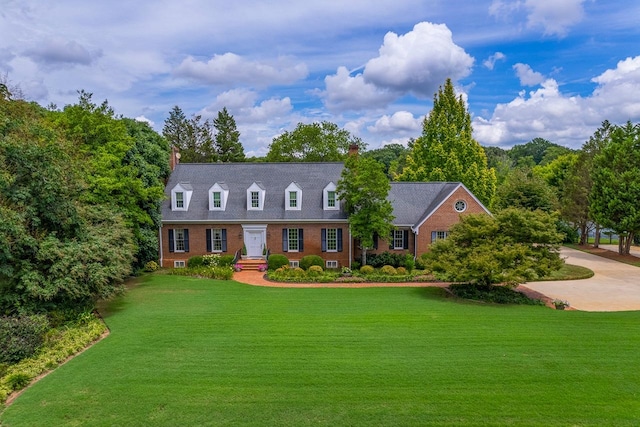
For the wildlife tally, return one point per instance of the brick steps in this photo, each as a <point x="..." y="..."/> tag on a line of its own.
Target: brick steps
<point x="251" y="264"/>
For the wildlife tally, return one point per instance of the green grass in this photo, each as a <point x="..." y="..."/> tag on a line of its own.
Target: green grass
<point x="570" y="272"/>
<point x="194" y="352"/>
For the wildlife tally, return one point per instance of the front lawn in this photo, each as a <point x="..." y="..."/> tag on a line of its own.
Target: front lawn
<point x="189" y="352"/>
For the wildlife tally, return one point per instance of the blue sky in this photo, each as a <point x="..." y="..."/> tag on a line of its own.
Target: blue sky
<point x="553" y="69"/>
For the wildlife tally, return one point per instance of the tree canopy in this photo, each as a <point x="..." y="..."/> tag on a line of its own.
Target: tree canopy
<point x="363" y="187"/>
<point x="315" y="142"/>
<point x="446" y="151"/>
<point x="227" y="138"/>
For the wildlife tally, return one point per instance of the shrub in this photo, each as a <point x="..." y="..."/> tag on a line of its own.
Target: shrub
<point x="315" y="271"/>
<point x="366" y="269"/>
<point x="276" y="261"/>
<point x="355" y="265"/>
<point x="195" y="261"/>
<point x="422" y="262"/>
<point x="20" y="337"/>
<point x="388" y="270"/>
<point x="409" y="262"/>
<point x="309" y="260"/>
<point x="401" y="271"/>
<point x="18" y="380"/>
<point x="225" y="260"/>
<point x="386" y="258"/>
<point x="492" y="293"/>
<point x="151" y="266"/>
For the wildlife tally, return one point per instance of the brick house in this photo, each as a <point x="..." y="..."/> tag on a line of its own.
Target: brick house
<point x="292" y="209"/>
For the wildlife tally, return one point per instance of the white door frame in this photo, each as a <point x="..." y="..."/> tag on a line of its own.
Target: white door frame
<point x="253" y="230"/>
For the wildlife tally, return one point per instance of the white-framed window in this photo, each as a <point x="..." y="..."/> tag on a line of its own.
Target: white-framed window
<point x="460" y="206"/>
<point x="293" y="240"/>
<point x="438" y="235"/>
<point x="330" y="198"/>
<point x="179" y="240"/>
<point x="216" y="240"/>
<point x="255" y="197"/>
<point x="293" y="197"/>
<point x="218" y="194"/>
<point x="331" y="264"/>
<point x="179" y="200"/>
<point x="398" y="239"/>
<point x="332" y="239"/>
<point x="179" y="264"/>
<point x="294" y="263"/>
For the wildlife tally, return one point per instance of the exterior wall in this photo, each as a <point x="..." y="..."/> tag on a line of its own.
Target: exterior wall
<point x="383" y="246"/>
<point x="445" y="217"/>
<point x="312" y="241"/>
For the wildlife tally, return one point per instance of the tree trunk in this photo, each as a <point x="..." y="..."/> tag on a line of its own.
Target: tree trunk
<point x="584" y="234"/>
<point x="596" y="241"/>
<point x="364" y="256"/>
<point x="624" y="243"/>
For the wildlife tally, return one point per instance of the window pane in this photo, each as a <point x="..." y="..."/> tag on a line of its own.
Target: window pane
<point x="293" y="239"/>
<point x="293" y="199"/>
<point x="332" y="239"/>
<point x="398" y="239"/>
<point x="331" y="199"/>
<point x="217" y="200"/>
<point x="179" y="239"/>
<point x="216" y="239"/>
<point x="255" y="199"/>
<point x="180" y="200"/>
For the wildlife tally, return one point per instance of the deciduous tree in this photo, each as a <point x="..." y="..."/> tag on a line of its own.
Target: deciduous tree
<point x="446" y="151"/>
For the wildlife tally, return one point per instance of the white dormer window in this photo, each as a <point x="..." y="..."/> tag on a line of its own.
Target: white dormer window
<point x="255" y="197"/>
<point x="330" y="198"/>
<point x="181" y="196"/>
<point x="218" y="195"/>
<point x="293" y="197"/>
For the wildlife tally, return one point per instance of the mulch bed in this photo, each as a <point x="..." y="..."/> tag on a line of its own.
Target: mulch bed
<point x="628" y="259"/>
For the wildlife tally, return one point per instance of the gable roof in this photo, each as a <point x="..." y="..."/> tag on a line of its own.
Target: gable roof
<point x="274" y="178"/>
<point x="412" y="201"/>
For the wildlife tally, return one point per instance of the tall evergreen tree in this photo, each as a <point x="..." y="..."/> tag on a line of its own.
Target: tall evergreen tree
<point x="446" y="151"/>
<point x="194" y="137"/>
<point x="227" y="138"/>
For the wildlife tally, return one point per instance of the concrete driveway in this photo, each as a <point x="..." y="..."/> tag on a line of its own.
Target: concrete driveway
<point x="614" y="287"/>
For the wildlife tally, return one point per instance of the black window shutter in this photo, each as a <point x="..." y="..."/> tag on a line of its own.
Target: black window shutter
<point x="224" y="240"/>
<point x="323" y="239"/>
<point x="186" y="240"/>
<point x="171" y="242"/>
<point x="391" y="244"/>
<point x="339" y="236"/>
<point x="300" y="240"/>
<point x="285" y="240"/>
<point x="209" y="245"/>
<point x="405" y="242"/>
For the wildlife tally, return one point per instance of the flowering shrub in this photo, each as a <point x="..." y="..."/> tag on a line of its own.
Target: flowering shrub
<point x="262" y="268"/>
<point x="237" y="267"/>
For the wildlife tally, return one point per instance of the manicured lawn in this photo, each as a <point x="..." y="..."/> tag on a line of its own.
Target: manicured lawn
<point x="190" y="352"/>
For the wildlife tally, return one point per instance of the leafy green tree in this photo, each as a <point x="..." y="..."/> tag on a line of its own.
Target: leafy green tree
<point x="616" y="184"/>
<point x="315" y="142"/>
<point x="446" y="151"/>
<point x="540" y="150"/>
<point x="514" y="246"/>
<point x="524" y="189"/>
<point x="194" y="136"/>
<point x="364" y="187"/>
<point x="388" y="156"/>
<point x="227" y="138"/>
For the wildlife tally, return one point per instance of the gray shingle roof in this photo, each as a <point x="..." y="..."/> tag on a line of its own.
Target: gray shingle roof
<point x="412" y="201"/>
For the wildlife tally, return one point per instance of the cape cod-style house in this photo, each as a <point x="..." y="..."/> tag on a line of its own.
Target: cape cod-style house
<point x="292" y="209"/>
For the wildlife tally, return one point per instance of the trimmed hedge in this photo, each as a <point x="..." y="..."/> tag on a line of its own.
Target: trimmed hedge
<point x="276" y="261"/>
<point x="309" y="260"/>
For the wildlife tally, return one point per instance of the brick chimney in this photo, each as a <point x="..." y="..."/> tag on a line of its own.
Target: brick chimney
<point x="353" y="150"/>
<point x="174" y="158"/>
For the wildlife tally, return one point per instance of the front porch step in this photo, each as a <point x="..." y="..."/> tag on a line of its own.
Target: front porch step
<point x="251" y="264"/>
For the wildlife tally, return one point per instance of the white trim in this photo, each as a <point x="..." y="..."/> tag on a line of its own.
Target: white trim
<point x="255" y="188"/>
<point x="293" y="188"/>
<point x="179" y="264"/>
<point x="186" y="191"/>
<point x="254" y="229"/>
<point x="325" y="198"/>
<point x="326" y="264"/>
<point x="224" y="196"/>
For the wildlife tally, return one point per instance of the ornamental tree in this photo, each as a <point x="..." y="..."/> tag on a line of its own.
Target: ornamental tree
<point x="446" y="151"/>
<point x="511" y="247"/>
<point x="363" y="187"/>
<point x="616" y="184"/>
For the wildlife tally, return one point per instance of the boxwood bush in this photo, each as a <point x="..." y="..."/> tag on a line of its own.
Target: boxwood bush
<point x="195" y="261"/>
<point x="276" y="261"/>
<point x="309" y="260"/>
<point x="20" y="337"/>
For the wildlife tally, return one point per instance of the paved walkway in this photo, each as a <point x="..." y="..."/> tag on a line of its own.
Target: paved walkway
<point x="614" y="287"/>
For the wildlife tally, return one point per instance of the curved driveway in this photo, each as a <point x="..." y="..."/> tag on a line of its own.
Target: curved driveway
<point x="614" y="287"/>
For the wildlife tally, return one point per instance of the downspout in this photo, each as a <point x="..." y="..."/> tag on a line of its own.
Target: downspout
<point x="350" y="248"/>
<point x="160" y="242"/>
<point x="415" y="243"/>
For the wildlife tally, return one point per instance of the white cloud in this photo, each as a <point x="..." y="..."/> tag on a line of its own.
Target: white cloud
<point x="58" y="51"/>
<point x="243" y="105"/>
<point x="554" y="16"/>
<point x="400" y="122"/>
<point x="230" y="68"/>
<point x="527" y="76"/>
<point x="143" y="119"/>
<point x="490" y="62"/>
<point x="418" y="61"/>
<point x="344" y="92"/>
<point x="567" y="120"/>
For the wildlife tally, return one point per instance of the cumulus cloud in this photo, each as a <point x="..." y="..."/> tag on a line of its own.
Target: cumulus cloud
<point x="344" y="92"/>
<point x="143" y="119"/>
<point x="416" y="62"/>
<point x="244" y="106"/>
<point x="569" y="120"/>
<point x="490" y="62"/>
<point x="230" y="68"/>
<point x="555" y="17"/>
<point x="398" y="122"/>
<point x="527" y="76"/>
<point x="58" y="51"/>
